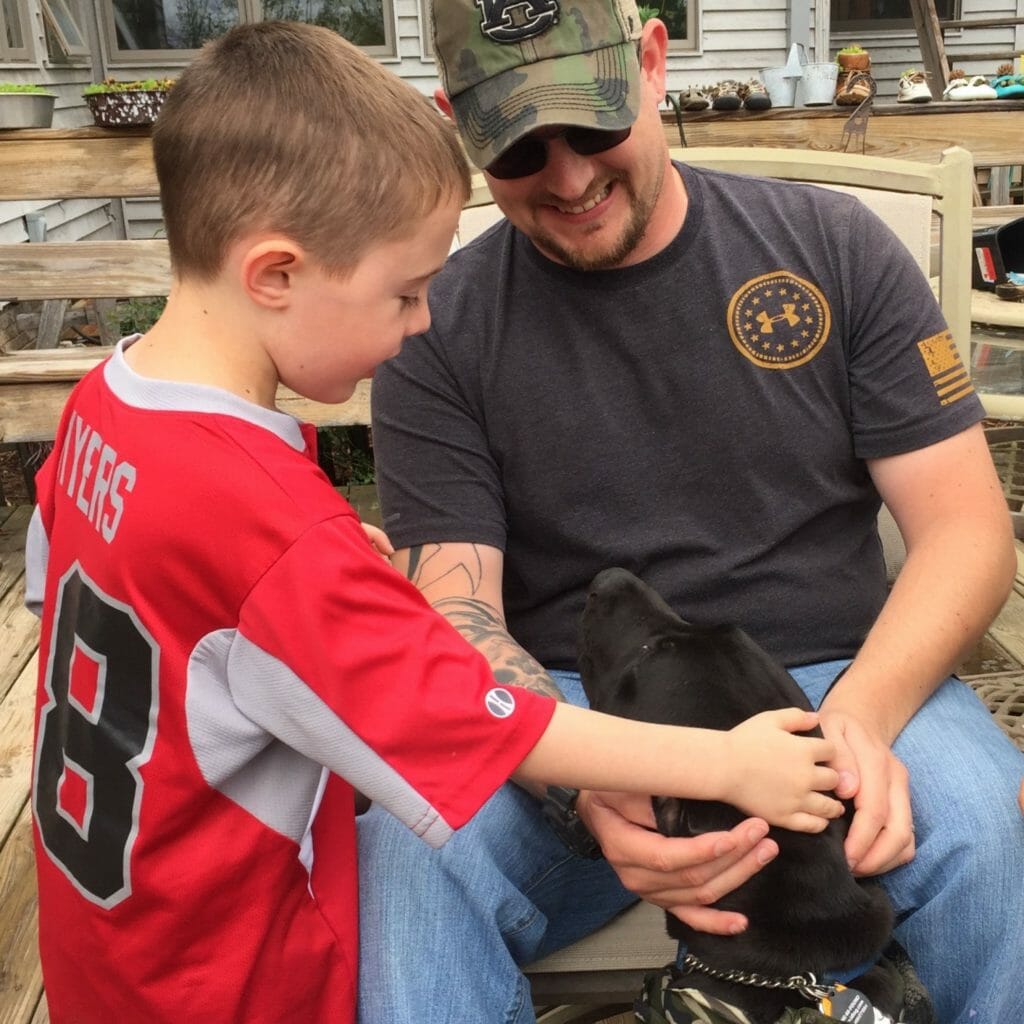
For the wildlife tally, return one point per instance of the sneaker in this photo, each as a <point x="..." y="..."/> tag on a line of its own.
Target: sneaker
<point x="754" y="95"/>
<point x="853" y="87"/>
<point x="693" y="99"/>
<point x="976" y="88"/>
<point x="913" y="88"/>
<point x="726" y="96"/>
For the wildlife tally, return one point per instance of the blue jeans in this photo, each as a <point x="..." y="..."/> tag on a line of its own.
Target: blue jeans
<point x="444" y="932"/>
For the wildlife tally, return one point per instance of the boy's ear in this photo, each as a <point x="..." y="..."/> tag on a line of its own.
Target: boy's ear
<point x="267" y="270"/>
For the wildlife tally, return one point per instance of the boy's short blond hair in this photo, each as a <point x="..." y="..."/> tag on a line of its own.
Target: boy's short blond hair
<point x="287" y="127"/>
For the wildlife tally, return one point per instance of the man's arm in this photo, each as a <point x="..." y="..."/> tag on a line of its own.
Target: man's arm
<point x="949" y="506"/>
<point x="463" y="582"/>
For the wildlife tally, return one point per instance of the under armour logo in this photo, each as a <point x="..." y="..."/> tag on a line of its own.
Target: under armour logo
<point x="787" y="314"/>
<point x="778" y="320"/>
<point x="514" y="21"/>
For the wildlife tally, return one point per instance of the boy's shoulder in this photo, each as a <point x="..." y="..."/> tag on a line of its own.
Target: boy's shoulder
<point x="187" y="450"/>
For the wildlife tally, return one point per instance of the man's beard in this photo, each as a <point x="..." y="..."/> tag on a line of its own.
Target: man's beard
<point x="631" y="236"/>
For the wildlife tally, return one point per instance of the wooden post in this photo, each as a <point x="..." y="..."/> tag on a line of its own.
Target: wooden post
<point x="933" y="49"/>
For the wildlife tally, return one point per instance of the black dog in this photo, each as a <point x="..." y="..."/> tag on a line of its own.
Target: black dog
<point x="807" y="912"/>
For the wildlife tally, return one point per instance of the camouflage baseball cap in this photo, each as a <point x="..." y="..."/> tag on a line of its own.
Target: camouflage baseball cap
<point x="510" y="66"/>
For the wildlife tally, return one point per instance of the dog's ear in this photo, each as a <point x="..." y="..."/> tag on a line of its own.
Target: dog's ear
<point x="690" y="818"/>
<point x="610" y="691"/>
<point x="670" y="814"/>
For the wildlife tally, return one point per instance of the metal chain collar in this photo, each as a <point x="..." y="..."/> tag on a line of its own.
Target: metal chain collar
<point x="806" y="984"/>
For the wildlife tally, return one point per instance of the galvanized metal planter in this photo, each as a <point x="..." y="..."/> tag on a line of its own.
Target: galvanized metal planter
<point x="26" y="109"/>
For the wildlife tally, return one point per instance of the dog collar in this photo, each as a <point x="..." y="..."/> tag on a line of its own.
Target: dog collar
<point x="845" y="977"/>
<point x="807" y="984"/>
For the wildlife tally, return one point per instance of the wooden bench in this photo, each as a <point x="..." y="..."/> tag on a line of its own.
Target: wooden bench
<point x="586" y="982"/>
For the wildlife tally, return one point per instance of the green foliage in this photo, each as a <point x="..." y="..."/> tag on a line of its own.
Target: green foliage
<point x="136" y="316"/>
<point x="33" y="90"/>
<point x="139" y="85"/>
<point x="345" y="454"/>
<point x="672" y="13"/>
<point x="853" y="48"/>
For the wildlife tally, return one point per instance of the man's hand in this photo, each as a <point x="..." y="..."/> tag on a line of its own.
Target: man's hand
<point x="682" y="875"/>
<point x="881" y="836"/>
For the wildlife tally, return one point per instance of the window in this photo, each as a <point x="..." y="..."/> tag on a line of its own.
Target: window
<point x="426" y="36"/>
<point x="13" y="39"/>
<point x="142" y="30"/>
<point x="680" y="18"/>
<point x="364" y="22"/>
<point x="144" y="27"/>
<point x="63" y="27"/>
<point x="876" y="15"/>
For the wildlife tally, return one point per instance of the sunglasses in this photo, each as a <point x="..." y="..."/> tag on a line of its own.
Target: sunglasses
<point x="530" y="153"/>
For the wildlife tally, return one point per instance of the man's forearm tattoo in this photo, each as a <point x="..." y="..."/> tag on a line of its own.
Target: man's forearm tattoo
<point x="481" y="625"/>
<point x="478" y="621"/>
<point x="425" y="571"/>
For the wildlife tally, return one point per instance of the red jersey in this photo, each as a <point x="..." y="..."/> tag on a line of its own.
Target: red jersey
<point x="223" y="657"/>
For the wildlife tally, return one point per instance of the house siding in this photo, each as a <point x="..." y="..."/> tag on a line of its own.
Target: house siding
<point x="733" y="42"/>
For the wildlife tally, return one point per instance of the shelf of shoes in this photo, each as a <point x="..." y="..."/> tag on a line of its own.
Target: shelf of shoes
<point x="992" y="130"/>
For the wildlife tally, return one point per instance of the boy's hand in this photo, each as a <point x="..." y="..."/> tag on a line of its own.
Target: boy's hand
<point x="780" y="777"/>
<point x="378" y="540"/>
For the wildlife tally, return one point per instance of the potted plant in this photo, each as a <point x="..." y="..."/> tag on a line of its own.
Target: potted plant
<point x="25" y="106"/>
<point x="120" y="104"/>
<point x="1007" y="84"/>
<point x="853" y="58"/>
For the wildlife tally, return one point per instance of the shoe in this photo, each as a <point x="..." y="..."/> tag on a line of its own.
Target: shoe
<point x="853" y="87"/>
<point x="1009" y="87"/>
<point x="725" y="96"/>
<point x="976" y="88"/>
<point x="912" y="88"/>
<point x="754" y="95"/>
<point x="693" y="99"/>
<point x="1010" y="292"/>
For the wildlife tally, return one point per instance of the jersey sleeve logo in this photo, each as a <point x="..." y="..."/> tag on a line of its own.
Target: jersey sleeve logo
<point x="499" y="702"/>
<point x="778" y="320"/>
<point x="945" y="367"/>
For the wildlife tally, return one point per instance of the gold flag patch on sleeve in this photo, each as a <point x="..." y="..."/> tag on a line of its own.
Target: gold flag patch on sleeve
<point x="945" y="367"/>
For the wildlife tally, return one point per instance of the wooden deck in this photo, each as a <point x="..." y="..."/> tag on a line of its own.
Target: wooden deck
<point x="995" y="669"/>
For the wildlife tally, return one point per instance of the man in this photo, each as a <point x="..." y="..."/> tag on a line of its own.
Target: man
<point x="710" y="380"/>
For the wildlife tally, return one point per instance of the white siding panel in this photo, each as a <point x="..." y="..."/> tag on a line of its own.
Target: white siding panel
<point x="144" y="218"/>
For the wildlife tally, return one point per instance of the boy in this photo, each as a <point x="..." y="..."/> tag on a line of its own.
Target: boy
<point x="224" y="656"/>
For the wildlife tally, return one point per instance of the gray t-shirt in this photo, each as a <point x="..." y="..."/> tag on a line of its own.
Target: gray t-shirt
<point x="701" y="419"/>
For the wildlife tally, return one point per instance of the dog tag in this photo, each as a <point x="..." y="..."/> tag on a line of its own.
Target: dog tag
<point x="852" y="1007"/>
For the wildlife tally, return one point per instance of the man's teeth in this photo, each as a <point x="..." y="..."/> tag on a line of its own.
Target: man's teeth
<point x="588" y="205"/>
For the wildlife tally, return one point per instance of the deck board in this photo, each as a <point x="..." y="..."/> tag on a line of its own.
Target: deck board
<point x="998" y="659"/>
<point x="21" y="980"/>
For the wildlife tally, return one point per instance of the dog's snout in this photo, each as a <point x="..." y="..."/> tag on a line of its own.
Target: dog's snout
<point x="611" y="581"/>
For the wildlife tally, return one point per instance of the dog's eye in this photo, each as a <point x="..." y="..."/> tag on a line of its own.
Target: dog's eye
<point x="645" y="648"/>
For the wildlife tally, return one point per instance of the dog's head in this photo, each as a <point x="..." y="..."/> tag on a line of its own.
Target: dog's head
<point x="639" y="659"/>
